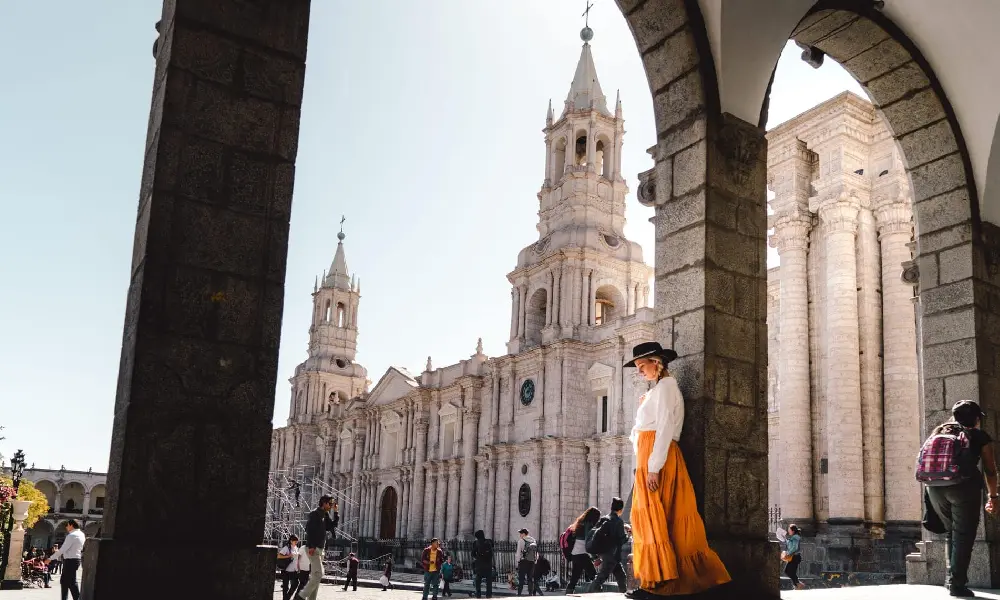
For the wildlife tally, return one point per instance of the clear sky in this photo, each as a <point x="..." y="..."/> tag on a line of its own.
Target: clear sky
<point x="421" y="123"/>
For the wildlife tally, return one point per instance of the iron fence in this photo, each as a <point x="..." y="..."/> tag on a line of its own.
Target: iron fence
<point x="407" y="552"/>
<point x="773" y="521"/>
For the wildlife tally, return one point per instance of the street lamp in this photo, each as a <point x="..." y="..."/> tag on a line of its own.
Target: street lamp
<point x="17" y="464"/>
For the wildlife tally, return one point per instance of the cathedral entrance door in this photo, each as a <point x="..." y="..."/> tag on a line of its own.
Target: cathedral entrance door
<point x="387" y="522"/>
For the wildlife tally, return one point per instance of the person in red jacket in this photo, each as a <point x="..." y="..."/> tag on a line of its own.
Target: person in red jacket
<point x="432" y="559"/>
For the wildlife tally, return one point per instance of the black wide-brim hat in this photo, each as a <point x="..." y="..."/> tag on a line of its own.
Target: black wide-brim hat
<point x="649" y="350"/>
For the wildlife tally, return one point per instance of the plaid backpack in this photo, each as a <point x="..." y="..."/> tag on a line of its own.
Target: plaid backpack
<point x="943" y="456"/>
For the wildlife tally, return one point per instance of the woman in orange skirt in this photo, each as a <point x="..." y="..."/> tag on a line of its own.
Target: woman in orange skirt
<point x="670" y="553"/>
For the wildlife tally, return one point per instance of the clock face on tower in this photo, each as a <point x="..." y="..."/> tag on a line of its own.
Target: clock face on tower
<point x="527" y="392"/>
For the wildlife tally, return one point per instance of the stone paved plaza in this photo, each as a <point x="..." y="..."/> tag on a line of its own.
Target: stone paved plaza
<point x="331" y="592"/>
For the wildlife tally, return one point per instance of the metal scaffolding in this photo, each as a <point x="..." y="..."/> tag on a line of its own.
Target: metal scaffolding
<point x="292" y="494"/>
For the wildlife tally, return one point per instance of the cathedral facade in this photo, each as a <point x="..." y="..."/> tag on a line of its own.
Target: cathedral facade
<point x="845" y="412"/>
<point x="529" y="439"/>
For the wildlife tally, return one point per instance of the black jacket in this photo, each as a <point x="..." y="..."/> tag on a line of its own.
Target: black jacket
<point x="618" y="535"/>
<point x="316" y="527"/>
<point x="482" y="555"/>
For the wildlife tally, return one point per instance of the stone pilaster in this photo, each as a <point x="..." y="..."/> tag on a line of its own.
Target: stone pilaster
<point x="550" y="499"/>
<point x="708" y="187"/>
<point x="490" y="522"/>
<point x="844" y="419"/>
<point x="468" y="498"/>
<point x="791" y="238"/>
<point x="537" y="492"/>
<point x="900" y="367"/>
<point x="593" y="462"/>
<point x="502" y="501"/>
<point x="417" y="505"/>
<point x="441" y="503"/>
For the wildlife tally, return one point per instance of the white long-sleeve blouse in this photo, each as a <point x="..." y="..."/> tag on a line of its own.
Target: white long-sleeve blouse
<point x="661" y="409"/>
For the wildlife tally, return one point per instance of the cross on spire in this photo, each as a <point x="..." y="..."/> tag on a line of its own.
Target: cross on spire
<point x="342" y="219"/>
<point x="586" y="14"/>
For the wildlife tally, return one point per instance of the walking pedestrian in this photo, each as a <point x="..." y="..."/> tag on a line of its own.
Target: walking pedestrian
<point x="387" y="576"/>
<point x="959" y="501"/>
<point x="70" y="553"/>
<point x="317" y="526"/>
<point x="447" y="574"/>
<point x="542" y="568"/>
<point x="56" y="565"/>
<point x="431" y="559"/>
<point x="574" y="540"/>
<point x="303" y="568"/>
<point x="482" y="555"/>
<point x="606" y="540"/>
<point x="527" y="552"/>
<point x="288" y="562"/>
<point x="670" y="550"/>
<point x="792" y="556"/>
<point x="352" y="571"/>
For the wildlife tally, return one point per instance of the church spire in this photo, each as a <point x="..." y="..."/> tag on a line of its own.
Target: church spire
<point x="338" y="277"/>
<point x="585" y="93"/>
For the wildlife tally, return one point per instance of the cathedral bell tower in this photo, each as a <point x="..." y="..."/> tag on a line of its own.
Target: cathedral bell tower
<point x="329" y="376"/>
<point x="582" y="272"/>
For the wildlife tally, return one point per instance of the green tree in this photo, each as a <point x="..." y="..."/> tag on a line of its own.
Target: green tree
<point x="39" y="503"/>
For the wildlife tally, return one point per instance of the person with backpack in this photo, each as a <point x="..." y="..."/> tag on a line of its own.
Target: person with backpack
<point x="527" y="552"/>
<point x="670" y="552"/>
<point x="948" y="464"/>
<point x="482" y="556"/>
<point x="606" y="539"/>
<point x="288" y="563"/>
<point x="542" y="568"/>
<point x="573" y="543"/>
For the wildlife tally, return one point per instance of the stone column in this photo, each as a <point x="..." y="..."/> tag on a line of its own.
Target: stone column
<point x="556" y="297"/>
<point x="900" y="367"/>
<point x="515" y="311"/>
<point x="791" y="238"/>
<point x="490" y="520"/>
<point x="417" y="504"/>
<point x="454" y="488"/>
<point x="441" y="501"/>
<point x="844" y="421"/>
<point x="870" y="357"/>
<point x="522" y="291"/>
<point x="502" y="500"/>
<point x="549" y="494"/>
<point x="538" y="491"/>
<point x="593" y="462"/>
<point x="430" y="502"/>
<point x="468" y="498"/>
<point x="585" y="297"/>
<point x="86" y="504"/>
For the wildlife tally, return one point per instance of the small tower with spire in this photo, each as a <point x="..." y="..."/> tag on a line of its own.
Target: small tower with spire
<point x="330" y="374"/>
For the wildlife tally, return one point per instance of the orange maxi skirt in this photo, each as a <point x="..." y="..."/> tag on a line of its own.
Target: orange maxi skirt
<point x="670" y="553"/>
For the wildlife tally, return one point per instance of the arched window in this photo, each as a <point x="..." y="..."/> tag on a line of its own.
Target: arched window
<point x="604" y="414"/>
<point x="580" y="149"/>
<point x="608" y="305"/>
<point x="535" y="317"/>
<point x="599" y="159"/>
<point x="558" y="161"/>
<point x="341" y="314"/>
<point x="327" y="312"/>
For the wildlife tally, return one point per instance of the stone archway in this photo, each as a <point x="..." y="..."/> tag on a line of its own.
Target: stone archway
<point x="387" y="514"/>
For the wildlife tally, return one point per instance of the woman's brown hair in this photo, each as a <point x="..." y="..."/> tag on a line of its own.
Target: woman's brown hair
<point x="591" y="515"/>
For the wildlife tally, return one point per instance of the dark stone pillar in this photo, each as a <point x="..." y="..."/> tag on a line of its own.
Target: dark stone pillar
<point x="708" y="187"/>
<point x="189" y="454"/>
